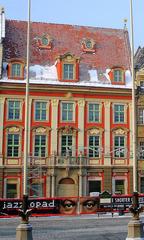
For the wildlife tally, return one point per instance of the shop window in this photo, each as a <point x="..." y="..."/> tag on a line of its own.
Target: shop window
<point x="36" y="190"/>
<point x="142" y="185"/>
<point x="94" y="186"/>
<point x="120" y="186"/>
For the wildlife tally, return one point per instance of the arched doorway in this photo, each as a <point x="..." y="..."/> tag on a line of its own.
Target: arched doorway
<point x="67" y="188"/>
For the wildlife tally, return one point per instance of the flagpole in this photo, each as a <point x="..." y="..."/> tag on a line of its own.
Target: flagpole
<point x="26" y="136"/>
<point x="133" y="101"/>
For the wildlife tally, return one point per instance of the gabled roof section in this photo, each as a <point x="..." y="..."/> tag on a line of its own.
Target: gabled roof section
<point x="112" y="45"/>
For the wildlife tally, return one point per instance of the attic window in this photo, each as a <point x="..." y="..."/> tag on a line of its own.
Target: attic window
<point x="88" y="46"/>
<point x="16" y="69"/>
<point x="68" y="68"/>
<point x="117" y="76"/>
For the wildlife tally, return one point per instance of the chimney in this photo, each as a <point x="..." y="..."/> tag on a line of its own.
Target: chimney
<point x="2" y="24"/>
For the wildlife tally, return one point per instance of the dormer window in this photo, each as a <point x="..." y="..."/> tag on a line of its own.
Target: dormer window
<point x="16" y="69"/>
<point x="117" y="76"/>
<point x="68" y="68"/>
<point x="68" y="71"/>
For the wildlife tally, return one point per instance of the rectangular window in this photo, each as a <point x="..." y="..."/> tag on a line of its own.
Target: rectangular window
<point x="13" y="145"/>
<point x="14" y="110"/>
<point x="119" y="113"/>
<point x="118" y="75"/>
<point x="67" y="111"/>
<point x="16" y="70"/>
<point x="94" y="186"/>
<point x="66" y="145"/>
<point x="94" y="112"/>
<point x="140" y="116"/>
<point x="36" y="190"/>
<point x="119" y="146"/>
<point x="11" y="190"/>
<point x="68" y="71"/>
<point x="40" y="111"/>
<point x="94" y="145"/>
<point x="120" y="186"/>
<point x="142" y="185"/>
<point x="141" y="150"/>
<point x="40" y="146"/>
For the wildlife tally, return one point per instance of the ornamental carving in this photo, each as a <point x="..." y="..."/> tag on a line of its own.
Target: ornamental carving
<point x="95" y="131"/>
<point x="81" y="103"/>
<point x="55" y="102"/>
<point x="120" y="131"/>
<point x="68" y="129"/>
<point x="13" y="129"/>
<point x="40" y="130"/>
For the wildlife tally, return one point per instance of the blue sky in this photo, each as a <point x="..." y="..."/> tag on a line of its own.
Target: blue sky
<point x="104" y="13"/>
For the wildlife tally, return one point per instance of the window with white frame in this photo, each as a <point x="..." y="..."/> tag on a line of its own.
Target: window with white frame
<point x="14" y="108"/>
<point x="119" y="146"/>
<point x="11" y="188"/>
<point x="119" y="113"/>
<point x="13" y="145"/>
<point x="40" y="146"/>
<point x="16" y="69"/>
<point x="68" y="71"/>
<point x="94" y="146"/>
<point x="118" y="75"/>
<point x="40" y="111"/>
<point x="94" y="112"/>
<point x="141" y="116"/>
<point x="66" y="145"/>
<point x="67" y="111"/>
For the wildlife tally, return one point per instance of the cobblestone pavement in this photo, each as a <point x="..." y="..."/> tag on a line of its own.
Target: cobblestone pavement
<point x="69" y="228"/>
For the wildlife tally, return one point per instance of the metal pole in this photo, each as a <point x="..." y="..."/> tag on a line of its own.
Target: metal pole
<point x="133" y="101"/>
<point x="26" y="142"/>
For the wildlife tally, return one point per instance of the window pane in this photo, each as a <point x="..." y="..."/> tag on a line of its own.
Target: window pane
<point x="67" y="111"/>
<point x="68" y="71"/>
<point x="40" y="111"/>
<point x="94" y="112"/>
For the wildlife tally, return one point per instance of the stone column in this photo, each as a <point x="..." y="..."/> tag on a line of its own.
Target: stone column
<point x="54" y="123"/>
<point x="2" y="101"/>
<point x="81" y="105"/>
<point x="107" y="157"/>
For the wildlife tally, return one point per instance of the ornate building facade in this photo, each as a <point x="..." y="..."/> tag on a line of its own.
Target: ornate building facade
<point x="80" y="121"/>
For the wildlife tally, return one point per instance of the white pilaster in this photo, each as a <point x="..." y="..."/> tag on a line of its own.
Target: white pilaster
<point x="107" y="159"/>
<point x="54" y="123"/>
<point x="2" y="101"/>
<point x="81" y="106"/>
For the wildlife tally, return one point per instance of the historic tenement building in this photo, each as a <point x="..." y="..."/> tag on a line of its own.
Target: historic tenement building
<point x="80" y="120"/>
<point x="139" y="68"/>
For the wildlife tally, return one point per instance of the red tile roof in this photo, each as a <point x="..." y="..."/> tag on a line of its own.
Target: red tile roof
<point x="112" y="45"/>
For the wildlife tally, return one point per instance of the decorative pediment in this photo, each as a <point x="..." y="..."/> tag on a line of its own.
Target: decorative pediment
<point x="68" y="129"/>
<point x="13" y="129"/>
<point x="41" y="130"/>
<point x="68" y="57"/>
<point x="120" y="131"/>
<point x="94" y="131"/>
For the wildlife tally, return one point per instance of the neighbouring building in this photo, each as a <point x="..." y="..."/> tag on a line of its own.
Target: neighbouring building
<point x="80" y="120"/>
<point x="139" y="69"/>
